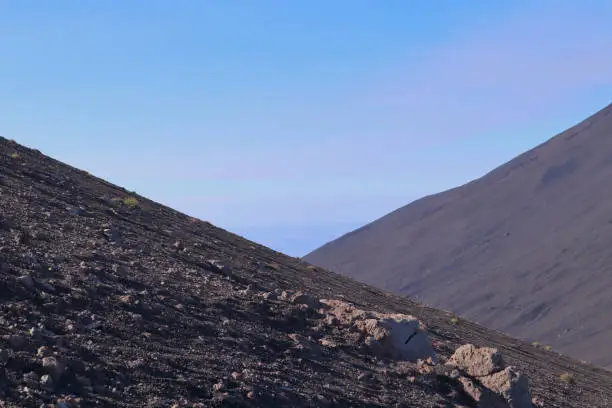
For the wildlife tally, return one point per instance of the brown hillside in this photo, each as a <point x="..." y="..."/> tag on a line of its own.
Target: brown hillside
<point x="526" y="249"/>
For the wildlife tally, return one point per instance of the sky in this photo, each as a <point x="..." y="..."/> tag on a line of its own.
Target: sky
<point x="292" y="123"/>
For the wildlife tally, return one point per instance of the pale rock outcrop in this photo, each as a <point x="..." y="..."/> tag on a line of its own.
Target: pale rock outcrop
<point x="396" y="336"/>
<point x="477" y="362"/>
<point x="510" y="384"/>
<point x="487" y="379"/>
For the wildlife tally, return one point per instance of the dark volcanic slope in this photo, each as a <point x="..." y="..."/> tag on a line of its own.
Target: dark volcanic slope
<point x="122" y="294"/>
<point x="526" y="249"/>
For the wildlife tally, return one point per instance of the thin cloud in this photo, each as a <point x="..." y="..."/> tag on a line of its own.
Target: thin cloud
<point x="518" y="70"/>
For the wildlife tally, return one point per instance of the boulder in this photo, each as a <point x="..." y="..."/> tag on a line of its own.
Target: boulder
<point x="403" y="338"/>
<point x="483" y="396"/>
<point x="53" y="367"/>
<point x="395" y="336"/>
<point x="477" y="362"/>
<point x="488" y="381"/>
<point x="511" y="385"/>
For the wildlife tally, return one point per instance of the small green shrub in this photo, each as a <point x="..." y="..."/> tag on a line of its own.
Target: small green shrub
<point x="130" y="202"/>
<point x="15" y="155"/>
<point x="567" y="378"/>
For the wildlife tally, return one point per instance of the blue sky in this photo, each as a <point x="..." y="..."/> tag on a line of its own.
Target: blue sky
<point x="292" y="122"/>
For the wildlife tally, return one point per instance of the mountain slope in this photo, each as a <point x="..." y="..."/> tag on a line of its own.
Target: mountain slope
<point x="526" y="249"/>
<point x="108" y="299"/>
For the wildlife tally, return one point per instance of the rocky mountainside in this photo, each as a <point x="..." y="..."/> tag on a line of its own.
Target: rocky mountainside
<point x="526" y="249"/>
<point x="108" y="299"/>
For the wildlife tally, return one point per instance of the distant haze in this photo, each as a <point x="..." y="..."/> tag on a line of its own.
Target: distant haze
<point x="291" y="123"/>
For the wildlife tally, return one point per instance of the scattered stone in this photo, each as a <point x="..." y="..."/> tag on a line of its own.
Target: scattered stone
<point x="363" y="376"/>
<point x="27" y="281"/>
<point x="120" y="270"/>
<point x="47" y="287"/>
<point x="328" y="342"/>
<point x="35" y="332"/>
<point x="425" y="367"/>
<point x="301" y="298"/>
<point x="46" y="381"/>
<point x="30" y="378"/>
<point x="218" y="265"/>
<point x="286" y="294"/>
<point x="112" y="234"/>
<point x="273" y="266"/>
<point x="69" y="402"/>
<point x="269" y="296"/>
<point x="53" y="366"/>
<point x="127" y="299"/>
<point x="297" y="338"/>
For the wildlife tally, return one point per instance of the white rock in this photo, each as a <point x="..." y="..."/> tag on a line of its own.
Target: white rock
<point x="406" y="339"/>
<point x="396" y="336"/>
<point x="510" y="384"/>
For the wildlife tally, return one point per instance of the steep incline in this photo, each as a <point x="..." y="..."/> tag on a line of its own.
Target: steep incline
<point x="526" y="249"/>
<point x="108" y="299"/>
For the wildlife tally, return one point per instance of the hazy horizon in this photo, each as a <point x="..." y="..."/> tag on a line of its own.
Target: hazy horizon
<point x="291" y="125"/>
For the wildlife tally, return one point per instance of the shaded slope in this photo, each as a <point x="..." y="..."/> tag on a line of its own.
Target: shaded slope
<point x="123" y="293"/>
<point x="526" y="249"/>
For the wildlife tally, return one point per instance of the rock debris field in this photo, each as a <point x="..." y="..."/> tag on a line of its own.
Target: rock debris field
<point x="108" y="299"/>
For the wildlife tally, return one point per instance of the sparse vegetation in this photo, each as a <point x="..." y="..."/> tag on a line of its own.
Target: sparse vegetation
<point x="567" y="378"/>
<point x="548" y="348"/>
<point x="131" y="202"/>
<point x="453" y="320"/>
<point x="15" y="155"/>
